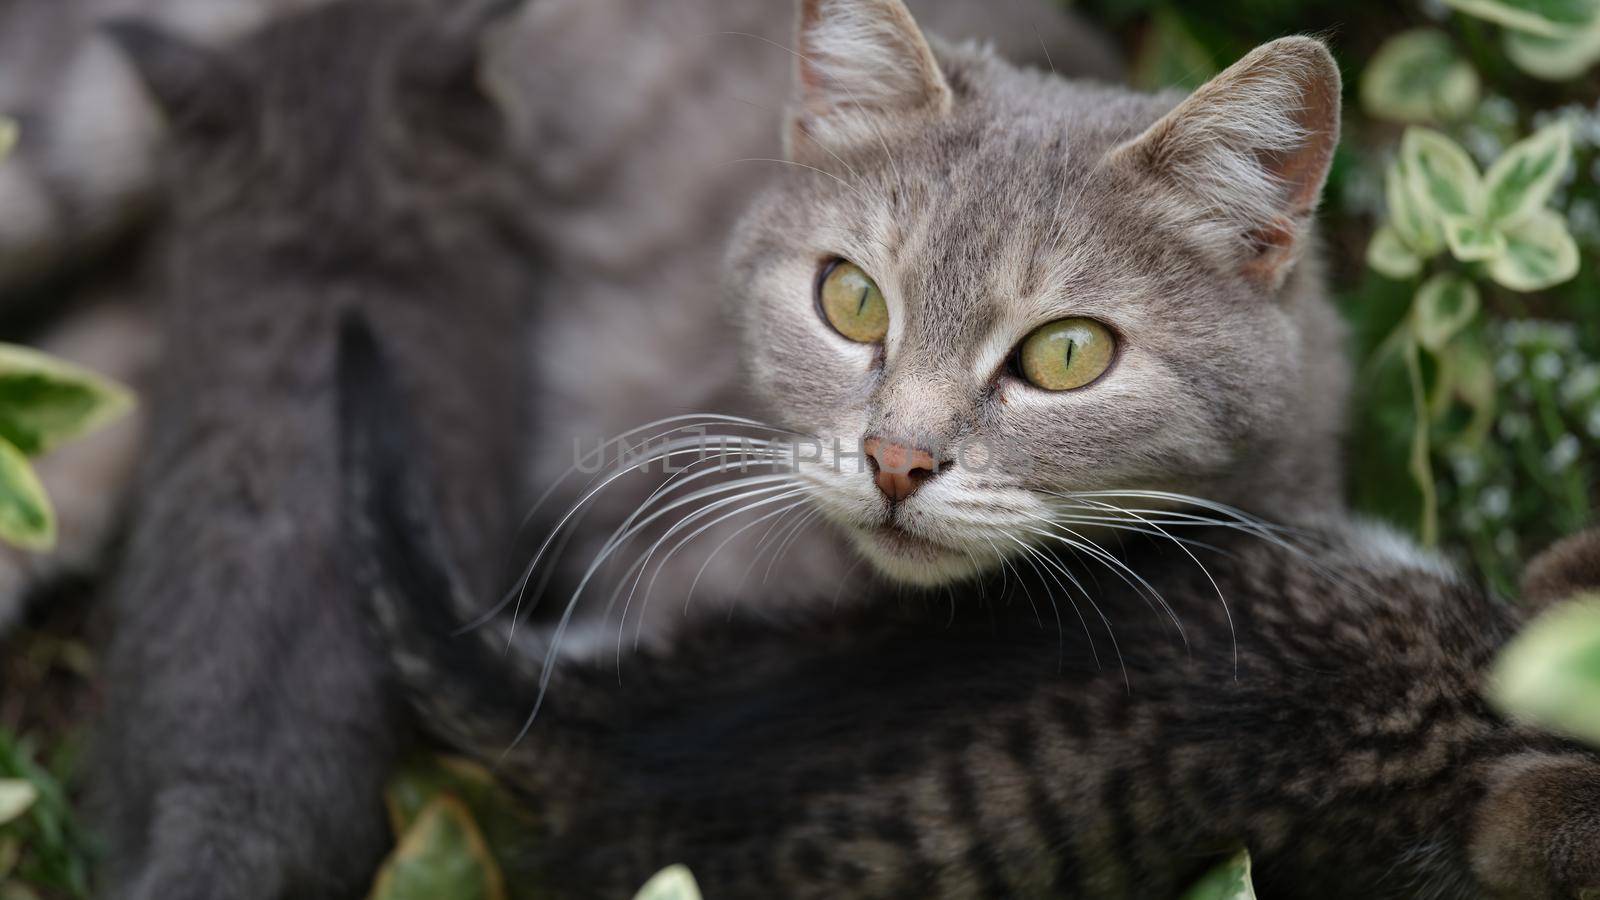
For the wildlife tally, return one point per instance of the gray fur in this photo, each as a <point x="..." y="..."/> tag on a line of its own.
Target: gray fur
<point x="248" y="723"/>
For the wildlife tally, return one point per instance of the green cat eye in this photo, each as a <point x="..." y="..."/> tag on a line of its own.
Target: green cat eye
<point x="852" y="303"/>
<point x="1066" y="354"/>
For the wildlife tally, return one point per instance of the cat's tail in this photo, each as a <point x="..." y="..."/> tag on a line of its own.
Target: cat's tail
<point x="470" y="687"/>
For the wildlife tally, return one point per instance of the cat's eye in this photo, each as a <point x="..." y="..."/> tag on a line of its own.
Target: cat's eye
<point x="851" y="302"/>
<point x="1066" y="354"/>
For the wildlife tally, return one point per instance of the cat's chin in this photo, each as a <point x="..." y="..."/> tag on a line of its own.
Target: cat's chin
<point x="904" y="557"/>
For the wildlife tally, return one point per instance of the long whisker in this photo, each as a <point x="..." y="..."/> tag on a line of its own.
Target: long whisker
<point x="1028" y="554"/>
<point x="572" y="605"/>
<point x="1110" y="632"/>
<point x="728" y="540"/>
<point x="677" y="447"/>
<point x="544" y="548"/>
<point x="682" y="542"/>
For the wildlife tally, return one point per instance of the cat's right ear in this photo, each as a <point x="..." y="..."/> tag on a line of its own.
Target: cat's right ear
<point x="200" y="93"/>
<point x="863" y="70"/>
<point x="1243" y="160"/>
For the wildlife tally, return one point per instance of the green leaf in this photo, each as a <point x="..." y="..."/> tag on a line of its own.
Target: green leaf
<point x="1471" y="240"/>
<point x="1445" y="304"/>
<point x="1390" y="256"/>
<point x="1550" y="18"/>
<point x="1442" y="176"/>
<point x="1540" y="253"/>
<point x="1229" y="881"/>
<point x="27" y="519"/>
<point x="1550" y="674"/>
<point x="1411" y="218"/>
<point x="17" y="796"/>
<point x="45" y="401"/>
<point x="1521" y="181"/>
<point x="1417" y="76"/>
<point x="671" y="883"/>
<point x="442" y="854"/>
<point x="1555" y="58"/>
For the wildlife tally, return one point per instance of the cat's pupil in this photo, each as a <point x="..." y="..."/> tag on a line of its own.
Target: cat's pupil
<point x="862" y="306"/>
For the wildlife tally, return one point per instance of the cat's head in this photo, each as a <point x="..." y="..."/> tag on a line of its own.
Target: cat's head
<point x="355" y="110"/>
<point x="1006" y="288"/>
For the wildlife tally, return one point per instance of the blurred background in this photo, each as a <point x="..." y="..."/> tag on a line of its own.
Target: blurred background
<point x="1476" y="424"/>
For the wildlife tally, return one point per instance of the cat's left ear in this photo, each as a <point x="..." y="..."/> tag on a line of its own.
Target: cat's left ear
<point x="863" y="70"/>
<point x="199" y="91"/>
<point x="1244" y="158"/>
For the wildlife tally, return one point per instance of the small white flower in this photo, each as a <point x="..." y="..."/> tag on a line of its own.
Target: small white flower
<point x="1467" y="467"/>
<point x="1495" y="502"/>
<point x="1582" y="386"/>
<point x="1548" y="366"/>
<point x="1563" y="454"/>
<point x="1514" y="425"/>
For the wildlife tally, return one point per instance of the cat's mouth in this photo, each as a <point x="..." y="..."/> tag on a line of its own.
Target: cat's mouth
<point x="897" y="541"/>
<point x="911" y="558"/>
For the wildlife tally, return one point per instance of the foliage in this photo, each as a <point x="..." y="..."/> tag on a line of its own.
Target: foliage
<point x="450" y="820"/>
<point x="44" y="402"/>
<point x="1229" y="881"/>
<point x="671" y="883"/>
<point x="1550" y="675"/>
<point x="42" y="848"/>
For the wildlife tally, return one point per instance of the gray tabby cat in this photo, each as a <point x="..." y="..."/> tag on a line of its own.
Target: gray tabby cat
<point x="989" y="313"/>
<point x="1002" y="311"/>
<point x="1324" y="709"/>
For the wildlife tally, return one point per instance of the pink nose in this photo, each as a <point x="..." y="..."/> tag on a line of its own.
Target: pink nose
<point x="899" y="470"/>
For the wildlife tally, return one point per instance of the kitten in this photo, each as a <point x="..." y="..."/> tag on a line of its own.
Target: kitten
<point x="984" y="310"/>
<point x="337" y="160"/>
<point x="1322" y="709"/>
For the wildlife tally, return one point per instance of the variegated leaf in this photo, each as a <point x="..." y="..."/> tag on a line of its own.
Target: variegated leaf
<point x="1445" y="304"/>
<point x="1550" y="674"/>
<point x="1521" y="181"/>
<point x="1555" y="58"/>
<point x="1550" y="18"/>
<point x="1441" y="174"/>
<point x="1229" y="881"/>
<point x="671" y="883"/>
<point x="27" y="519"/>
<point x="1472" y="241"/>
<point x="1417" y="76"/>
<point x="1390" y="256"/>
<point x="16" y="797"/>
<point x="1540" y="253"/>
<point x="442" y="854"/>
<point x="1414" y="220"/>
<point x="45" y="401"/>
